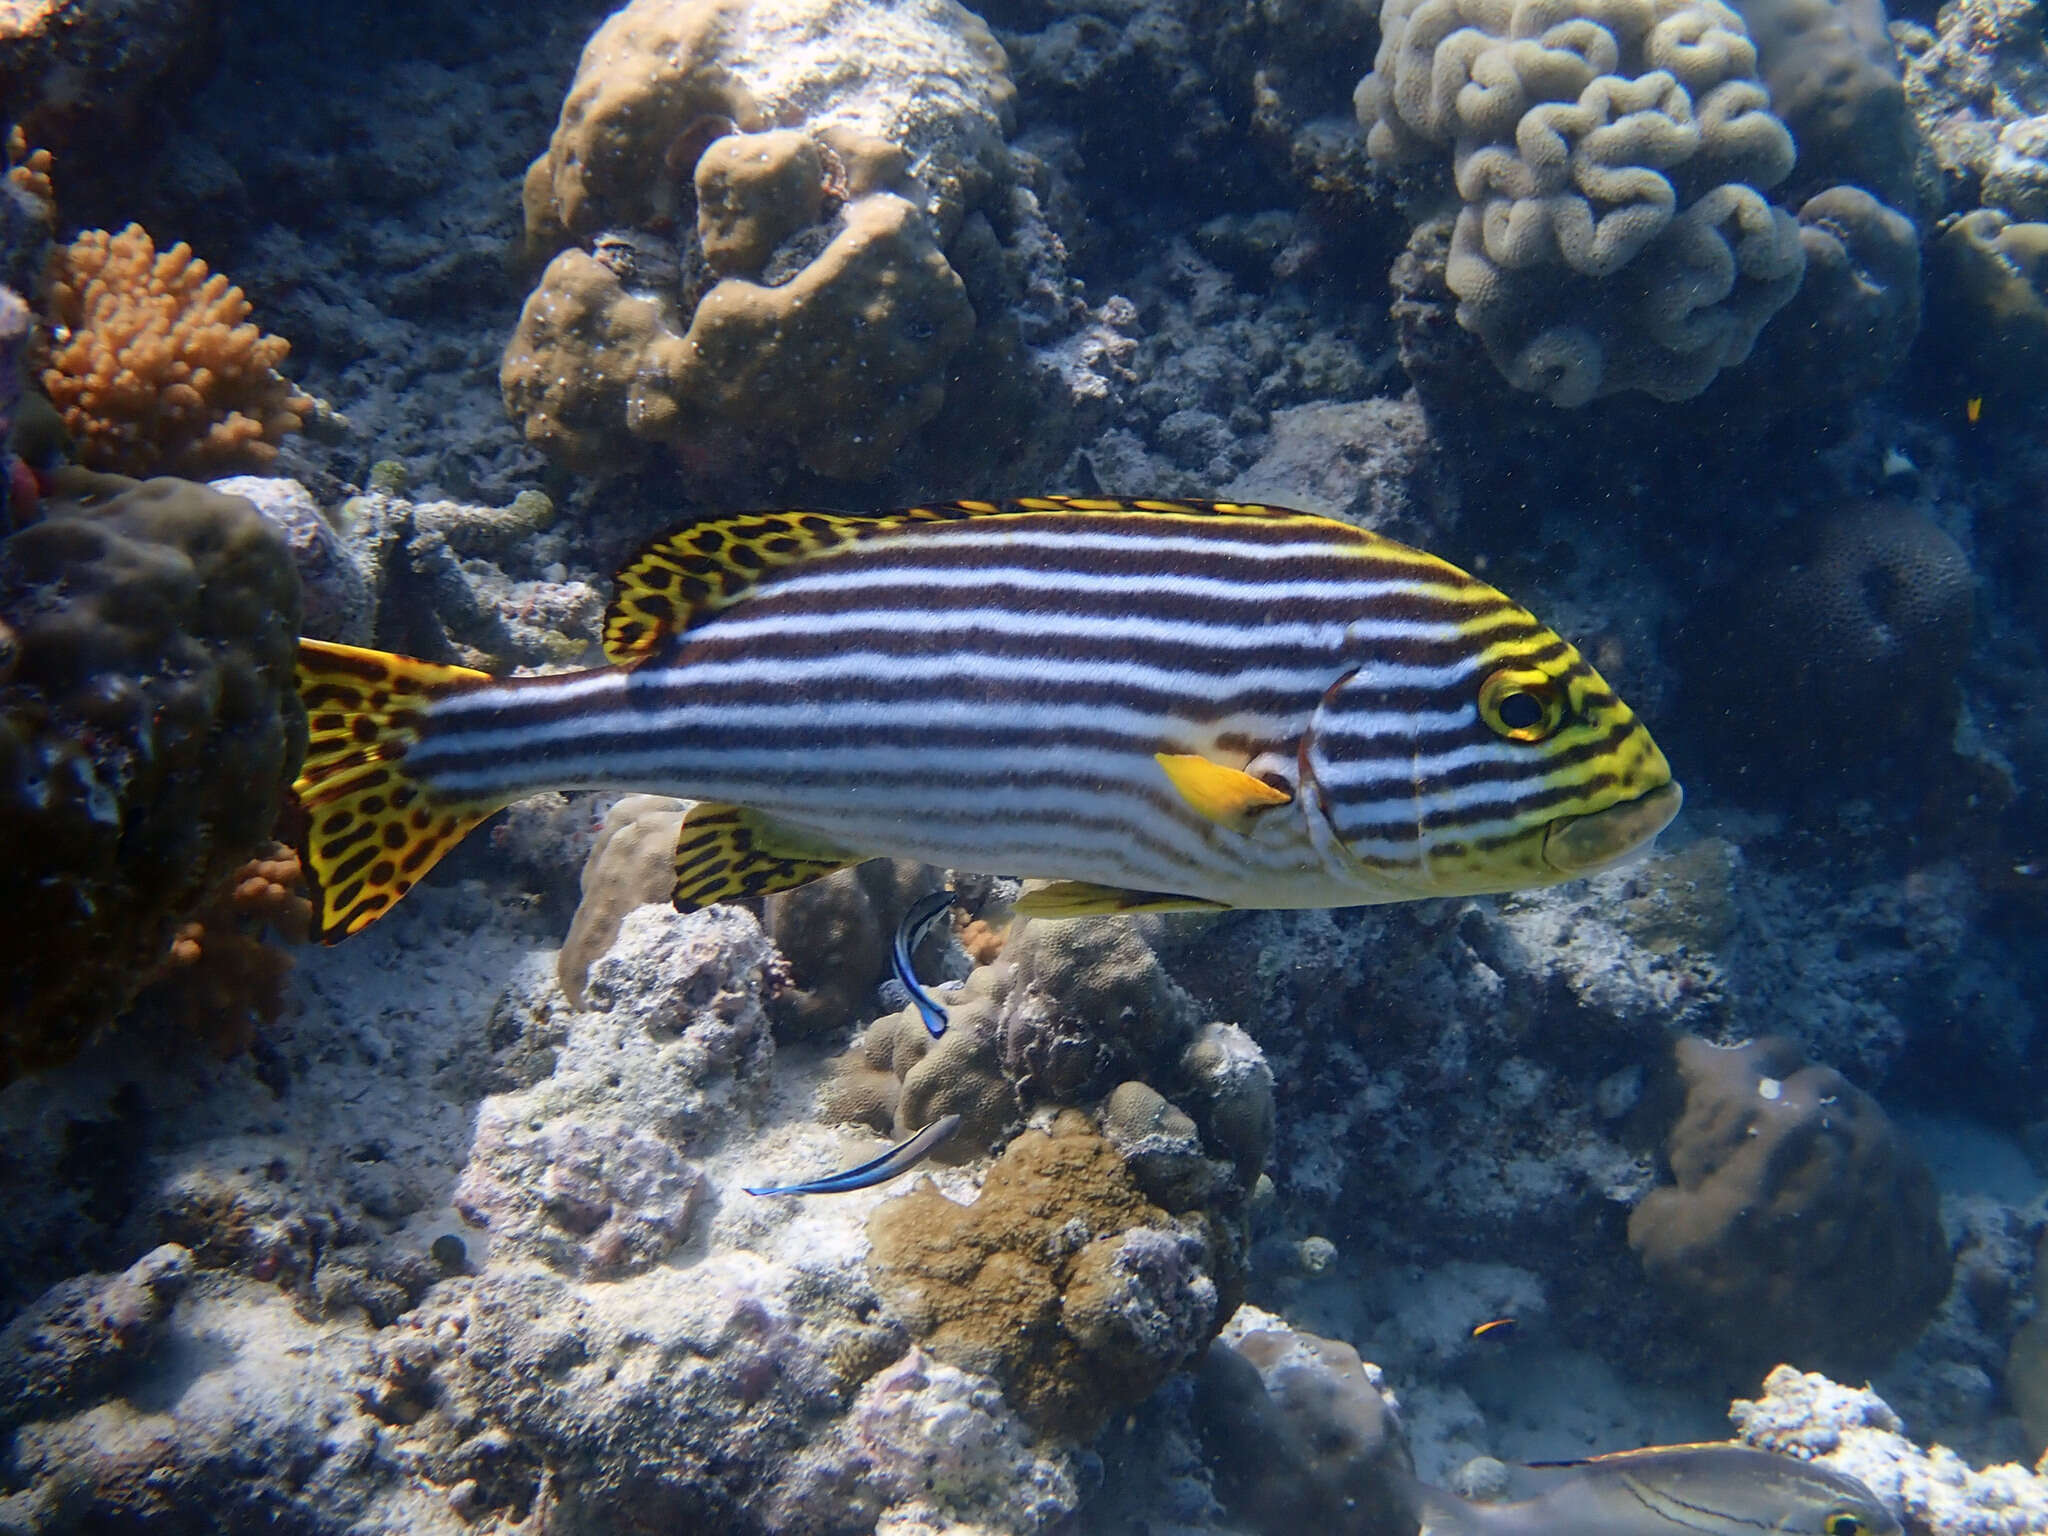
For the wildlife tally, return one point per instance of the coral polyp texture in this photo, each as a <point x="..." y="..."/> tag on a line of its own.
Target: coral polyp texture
<point x="1799" y="1225"/>
<point x="148" y="729"/>
<point x="1611" y="159"/>
<point x="755" y="197"/>
<point x="1061" y="1280"/>
<point x="1991" y="295"/>
<point x="154" y="363"/>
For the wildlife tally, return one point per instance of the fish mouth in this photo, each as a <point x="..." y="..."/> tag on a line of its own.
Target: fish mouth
<point x="1579" y="845"/>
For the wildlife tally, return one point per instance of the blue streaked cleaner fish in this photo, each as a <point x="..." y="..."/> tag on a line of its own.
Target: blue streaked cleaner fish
<point x="898" y="1160"/>
<point x="1721" y="1489"/>
<point x="917" y="922"/>
<point x="1154" y="705"/>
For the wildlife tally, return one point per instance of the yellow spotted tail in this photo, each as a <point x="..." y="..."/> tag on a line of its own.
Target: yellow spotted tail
<point x="372" y="830"/>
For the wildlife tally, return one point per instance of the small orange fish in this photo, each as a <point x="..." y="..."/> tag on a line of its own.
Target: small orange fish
<point x="1500" y="1327"/>
<point x="1974" y="409"/>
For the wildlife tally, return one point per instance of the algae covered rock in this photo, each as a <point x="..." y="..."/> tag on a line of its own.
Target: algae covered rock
<point x="1798" y="1224"/>
<point x="1061" y="1281"/>
<point x="149" y="727"/>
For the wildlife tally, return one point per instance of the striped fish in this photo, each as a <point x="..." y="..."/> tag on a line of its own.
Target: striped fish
<point x="1154" y="705"/>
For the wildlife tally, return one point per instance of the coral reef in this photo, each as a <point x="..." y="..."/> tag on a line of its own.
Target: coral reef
<point x="483" y="586"/>
<point x="632" y="864"/>
<point x="1852" y="1430"/>
<point x="88" y="70"/>
<point x="1799" y="1225"/>
<point x="1990" y="305"/>
<point x="338" y="603"/>
<point x="1302" y="1433"/>
<point x="812" y="307"/>
<point x="151" y="727"/>
<point x="1836" y="83"/>
<point x="1073" y="1013"/>
<point x="85" y="1334"/>
<point x="833" y="935"/>
<point x="674" y="1036"/>
<point x="1614" y="234"/>
<point x="154" y="364"/>
<point x="1061" y="1280"/>
<point x="1868" y="610"/>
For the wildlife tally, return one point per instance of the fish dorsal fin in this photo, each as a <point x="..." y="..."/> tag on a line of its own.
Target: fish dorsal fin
<point x="1083" y="898"/>
<point x="684" y="577"/>
<point x="729" y="853"/>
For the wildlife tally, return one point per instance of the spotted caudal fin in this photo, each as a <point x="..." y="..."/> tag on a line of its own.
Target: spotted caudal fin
<point x="372" y="830"/>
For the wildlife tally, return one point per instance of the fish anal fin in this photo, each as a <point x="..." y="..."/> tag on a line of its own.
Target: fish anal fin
<point x="1082" y="898"/>
<point x="729" y="853"/>
<point x="1228" y="796"/>
<point x="372" y="830"/>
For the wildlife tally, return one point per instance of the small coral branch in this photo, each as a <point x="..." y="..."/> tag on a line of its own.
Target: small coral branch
<point x="154" y="365"/>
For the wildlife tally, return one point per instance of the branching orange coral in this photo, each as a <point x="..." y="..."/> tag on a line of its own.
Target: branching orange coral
<point x="154" y="365"/>
<point x="28" y="170"/>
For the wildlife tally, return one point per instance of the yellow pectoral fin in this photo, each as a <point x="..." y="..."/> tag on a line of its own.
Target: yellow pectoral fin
<point x="729" y="853"/>
<point x="1082" y="898"/>
<point x="1230" y="797"/>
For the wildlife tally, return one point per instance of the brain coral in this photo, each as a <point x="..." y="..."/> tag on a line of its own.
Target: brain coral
<point x="1061" y="1280"/>
<point x="1610" y="157"/>
<point x="149" y="727"/>
<point x="154" y="364"/>
<point x="1799" y="1225"/>
<point x="764" y="189"/>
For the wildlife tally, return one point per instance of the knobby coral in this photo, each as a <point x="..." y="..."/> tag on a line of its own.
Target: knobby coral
<point x="154" y="364"/>
<point x="809" y="306"/>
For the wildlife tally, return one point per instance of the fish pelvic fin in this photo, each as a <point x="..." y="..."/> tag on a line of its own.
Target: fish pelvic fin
<point x="729" y="853"/>
<point x="372" y="829"/>
<point x="1082" y="898"/>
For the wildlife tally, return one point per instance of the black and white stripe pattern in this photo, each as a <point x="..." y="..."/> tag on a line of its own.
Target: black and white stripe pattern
<point x="989" y="694"/>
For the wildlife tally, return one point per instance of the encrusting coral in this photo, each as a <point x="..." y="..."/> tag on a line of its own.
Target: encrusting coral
<point x="1061" y="1281"/>
<point x="153" y="362"/>
<point x="149" y="727"/>
<point x="1868" y="612"/>
<point x="1799" y="1224"/>
<point x="1611" y="161"/>
<point x="813" y="309"/>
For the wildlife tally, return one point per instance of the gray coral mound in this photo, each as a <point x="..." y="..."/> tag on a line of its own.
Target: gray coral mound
<point x="1610" y="157"/>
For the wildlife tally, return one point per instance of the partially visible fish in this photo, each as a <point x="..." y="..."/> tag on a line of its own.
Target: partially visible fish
<point x="1721" y="1489"/>
<point x="899" y="1159"/>
<point x="917" y="922"/>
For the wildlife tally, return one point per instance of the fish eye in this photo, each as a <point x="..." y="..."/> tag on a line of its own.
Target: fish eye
<point x="1842" y="1523"/>
<point x="1523" y="704"/>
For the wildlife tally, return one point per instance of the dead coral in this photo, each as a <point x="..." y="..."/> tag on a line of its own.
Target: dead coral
<point x="1061" y="1281"/>
<point x="153" y="362"/>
